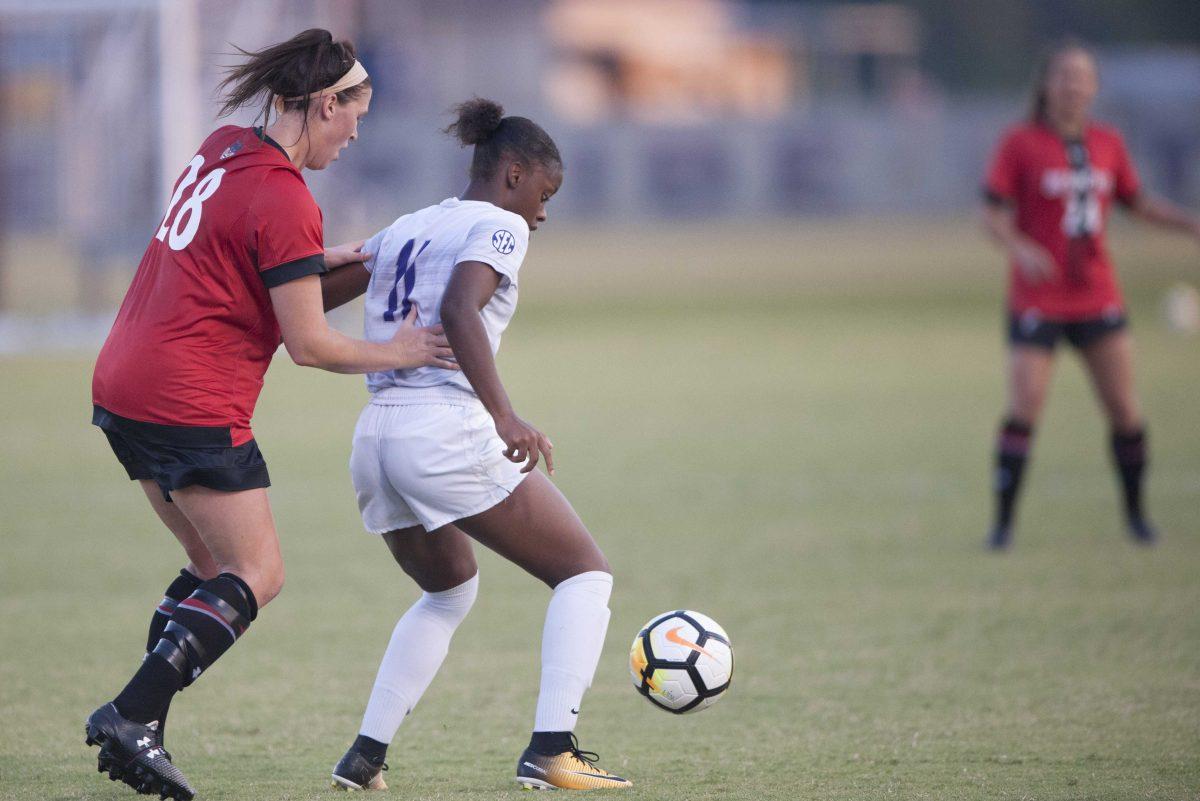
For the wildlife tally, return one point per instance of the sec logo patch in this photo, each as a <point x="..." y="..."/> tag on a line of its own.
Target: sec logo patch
<point x="504" y="242"/>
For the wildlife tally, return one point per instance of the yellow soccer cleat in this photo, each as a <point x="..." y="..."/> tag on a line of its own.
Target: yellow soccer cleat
<point x="571" y="770"/>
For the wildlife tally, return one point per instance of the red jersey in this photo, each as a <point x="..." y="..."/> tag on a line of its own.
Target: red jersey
<point x="1063" y="192"/>
<point x="196" y="330"/>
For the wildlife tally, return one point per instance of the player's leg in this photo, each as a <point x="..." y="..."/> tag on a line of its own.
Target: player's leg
<point x="1109" y="361"/>
<point x="130" y="750"/>
<point x="200" y="568"/>
<point x="1030" y="368"/>
<point x="442" y="563"/>
<point x="238" y="530"/>
<point x="239" y="533"/>
<point x="200" y="561"/>
<point x="536" y="528"/>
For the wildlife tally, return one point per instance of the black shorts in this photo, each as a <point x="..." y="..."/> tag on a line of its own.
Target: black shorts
<point x="175" y="457"/>
<point x="1031" y="328"/>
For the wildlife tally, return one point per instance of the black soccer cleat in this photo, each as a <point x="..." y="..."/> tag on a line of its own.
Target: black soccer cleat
<point x="999" y="538"/>
<point x="130" y="752"/>
<point x="1142" y="531"/>
<point x="355" y="771"/>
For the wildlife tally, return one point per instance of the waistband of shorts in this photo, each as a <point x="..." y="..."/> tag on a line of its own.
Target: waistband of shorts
<point x="406" y="396"/>
<point x="163" y="433"/>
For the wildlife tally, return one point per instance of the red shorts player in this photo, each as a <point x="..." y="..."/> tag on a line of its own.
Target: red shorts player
<point x="236" y="264"/>
<point x="1049" y="191"/>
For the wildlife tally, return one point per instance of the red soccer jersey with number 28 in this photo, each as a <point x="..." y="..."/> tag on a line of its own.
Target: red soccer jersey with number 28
<point x="196" y="330"/>
<point x="1063" y="193"/>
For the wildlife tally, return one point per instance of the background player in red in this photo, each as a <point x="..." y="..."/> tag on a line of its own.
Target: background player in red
<point x="1049" y="191"/>
<point x="237" y="263"/>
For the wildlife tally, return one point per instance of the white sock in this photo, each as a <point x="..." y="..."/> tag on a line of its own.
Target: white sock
<point x="576" y="622"/>
<point x="417" y="649"/>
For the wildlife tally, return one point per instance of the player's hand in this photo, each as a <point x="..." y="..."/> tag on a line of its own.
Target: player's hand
<point x="1033" y="260"/>
<point x="422" y="346"/>
<point x="524" y="443"/>
<point x="340" y="255"/>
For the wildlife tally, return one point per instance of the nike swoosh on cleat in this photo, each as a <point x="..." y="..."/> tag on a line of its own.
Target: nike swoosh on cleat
<point x="597" y="776"/>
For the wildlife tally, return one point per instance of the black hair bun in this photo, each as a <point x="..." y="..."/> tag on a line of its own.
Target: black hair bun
<point x="478" y="119"/>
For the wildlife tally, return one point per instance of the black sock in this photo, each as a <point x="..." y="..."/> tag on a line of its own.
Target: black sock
<point x="183" y="586"/>
<point x="373" y="750"/>
<point x="202" y="627"/>
<point x="1129" y="453"/>
<point x="1012" y="451"/>
<point x="549" y="743"/>
<point x="150" y="690"/>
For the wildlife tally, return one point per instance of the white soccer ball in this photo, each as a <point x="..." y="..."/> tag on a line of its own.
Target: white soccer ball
<point x="681" y="661"/>
<point x="1181" y="309"/>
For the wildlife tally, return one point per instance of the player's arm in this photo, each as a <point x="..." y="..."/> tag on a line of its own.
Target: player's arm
<point x="1165" y="214"/>
<point x="343" y="284"/>
<point x="311" y="342"/>
<point x="347" y="278"/>
<point x="471" y="286"/>
<point x="999" y="221"/>
<point x="999" y="218"/>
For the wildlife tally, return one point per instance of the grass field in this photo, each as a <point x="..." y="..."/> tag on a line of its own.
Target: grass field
<point x="787" y="428"/>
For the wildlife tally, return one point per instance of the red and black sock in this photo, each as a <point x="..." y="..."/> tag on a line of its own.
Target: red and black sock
<point x="203" y="627"/>
<point x="1129" y="453"/>
<point x="183" y="586"/>
<point x="1012" y="451"/>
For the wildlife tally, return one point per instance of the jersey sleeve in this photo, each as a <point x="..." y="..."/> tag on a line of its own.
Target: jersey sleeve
<point x="1003" y="175"/>
<point x="1126" y="183"/>
<point x="285" y="230"/>
<point x="372" y="246"/>
<point x="498" y="240"/>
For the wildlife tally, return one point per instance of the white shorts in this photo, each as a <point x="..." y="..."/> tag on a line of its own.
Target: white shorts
<point x="428" y="458"/>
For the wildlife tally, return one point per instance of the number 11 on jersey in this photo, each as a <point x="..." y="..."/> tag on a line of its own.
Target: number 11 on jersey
<point x="404" y="270"/>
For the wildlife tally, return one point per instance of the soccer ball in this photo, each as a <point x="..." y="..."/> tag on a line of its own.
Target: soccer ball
<point x="1181" y="309"/>
<point x="681" y="661"/>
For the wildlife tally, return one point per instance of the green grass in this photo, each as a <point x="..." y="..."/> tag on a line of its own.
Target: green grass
<point x="802" y="455"/>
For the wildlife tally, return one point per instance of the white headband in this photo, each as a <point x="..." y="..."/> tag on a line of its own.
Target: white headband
<point x="353" y="77"/>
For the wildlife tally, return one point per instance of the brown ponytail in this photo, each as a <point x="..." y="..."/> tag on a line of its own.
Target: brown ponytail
<point x="299" y="67"/>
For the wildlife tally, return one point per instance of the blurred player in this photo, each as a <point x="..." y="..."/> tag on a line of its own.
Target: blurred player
<point x="1049" y="192"/>
<point x="438" y="455"/>
<point x="236" y="262"/>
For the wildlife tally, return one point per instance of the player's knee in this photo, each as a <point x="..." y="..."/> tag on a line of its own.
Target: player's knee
<point x="1126" y="419"/>
<point x="593" y="563"/>
<point x="265" y="581"/>
<point x="1026" y="404"/>
<point x="1025" y="409"/>
<point x="460" y="571"/>
<point x="273" y="585"/>
<point x="600" y="564"/>
<point x="437" y="576"/>
<point x="202" y="566"/>
<point x="596" y="561"/>
<point x="452" y="605"/>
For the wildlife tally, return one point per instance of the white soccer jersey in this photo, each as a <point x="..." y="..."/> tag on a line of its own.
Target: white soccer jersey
<point x="411" y="262"/>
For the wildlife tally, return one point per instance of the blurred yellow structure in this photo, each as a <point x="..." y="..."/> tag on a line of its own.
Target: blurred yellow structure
<point x="664" y="61"/>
